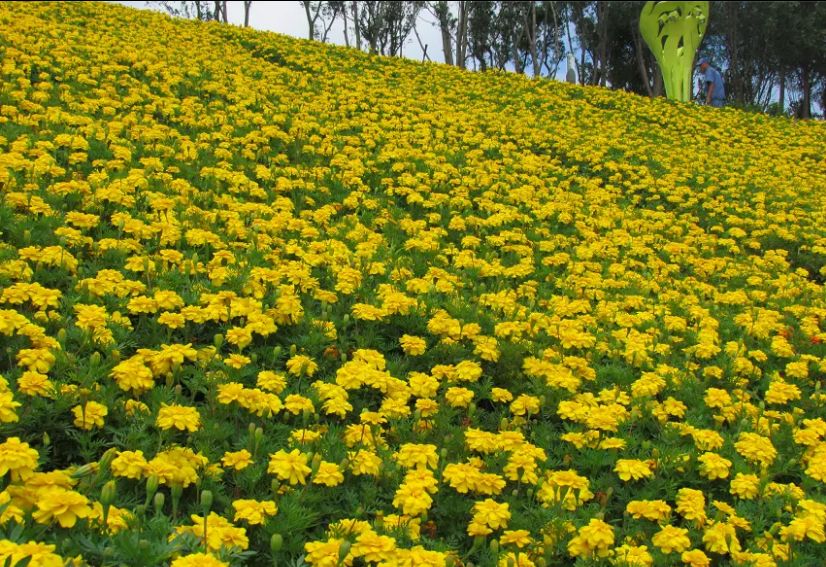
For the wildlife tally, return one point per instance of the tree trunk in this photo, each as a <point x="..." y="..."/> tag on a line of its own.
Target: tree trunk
<point x="346" y="35"/>
<point x="443" y="15"/>
<point x="461" y="36"/>
<point x="530" y="26"/>
<point x="247" y="5"/>
<point x="640" y="56"/>
<point x="310" y="21"/>
<point x="782" y="100"/>
<point x="659" y="84"/>
<point x="355" y="6"/>
<point x="806" y="87"/>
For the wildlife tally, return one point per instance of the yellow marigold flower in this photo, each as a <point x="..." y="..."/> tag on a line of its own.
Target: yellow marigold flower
<point x="131" y="407"/>
<point x="519" y="538"/>
<point x="691" y="505"/>
<point x="670" y="539"/>
<point x="525" y="405"/>
<point x="237" y="361"/>
<point x="325" y="553"/>
<point x="756" y="448"/>
<point x="239" y="336"/>
<point x="301" y="365"/>
<point x="713" y="466"/>
<point x="695" y="558"/>
<point x="182" y="418"/>
<point x="802" y="527"/>
<point x="132" y="375"/>
<point x="629" y="469"/>
<point x="254" y="512"/>
<point x="720" y="538"/>
<point x="511" y="559"/>
<point x="491" y="513"/>
<point x="411" y="455"/>
<point x="291" y="466"/>
<point x="8" y="407"/>
<point x="221" y="534"/>
<point x="239" y="460"/>
<point x="271" y="382"/>
<point x="654" y="510"/>
<point x="129" y="464"/>
<point x="412" y="345"/>
<point x="593" y="540"/>
<point x="500" y="395"/>
<point x="412" y="499"/>
<point x="745" y="486"/>
<point x="90" y="415"/>
<point x="40" y="554"/>
<point x="296" y="404"/>
<point x="328" y="474"/>
<point x="364" y="462"/>
<point x="61" y="505"/>
<point x="373" y="547"/>
<point x="458" y="397"/>
<point x="18" y="458"/>
<point x="35" y="384"/>
<point x="198" y="560"/>
<point x="632" y="556"/>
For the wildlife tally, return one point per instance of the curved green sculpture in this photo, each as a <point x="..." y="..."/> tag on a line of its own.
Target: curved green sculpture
<point x="673" y="31"/>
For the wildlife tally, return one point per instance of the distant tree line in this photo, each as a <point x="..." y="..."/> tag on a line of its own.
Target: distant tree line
<point x="772" y="54"/>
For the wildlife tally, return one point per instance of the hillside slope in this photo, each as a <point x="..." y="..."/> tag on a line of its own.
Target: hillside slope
<point x="442" y="316"/>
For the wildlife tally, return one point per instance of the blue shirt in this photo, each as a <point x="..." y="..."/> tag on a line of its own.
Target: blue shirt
<point x="714" y="77"/>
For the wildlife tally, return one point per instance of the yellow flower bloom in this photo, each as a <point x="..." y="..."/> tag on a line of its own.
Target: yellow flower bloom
<point x="90" y="415"/>
<point x="633" y="469"/>
<point x="491" y="513"/>
<point x="182" y="418"/>
<point x="239" y="460"/>
<point x="670" y="539"/>
<point x="61" y="505"/>
<point x="198" y="560"/>
<point x="291" y="466"/>
<point x="18" y="458"/>
<point x="254" y="512"/>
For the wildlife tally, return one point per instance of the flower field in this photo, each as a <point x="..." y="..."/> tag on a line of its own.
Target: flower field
<point x="265" y="301"/>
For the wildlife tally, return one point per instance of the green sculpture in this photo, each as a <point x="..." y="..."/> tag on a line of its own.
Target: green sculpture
<point x="673" y="31"/>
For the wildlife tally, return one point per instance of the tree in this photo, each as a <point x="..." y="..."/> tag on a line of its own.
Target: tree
<point x="386" y="25"/>
<point x="247" y="6"/>
<point x="447" y="27"/>
<point x="321" y="15"/>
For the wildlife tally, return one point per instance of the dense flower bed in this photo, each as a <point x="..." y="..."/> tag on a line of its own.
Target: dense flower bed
<point x="263" y="299"/>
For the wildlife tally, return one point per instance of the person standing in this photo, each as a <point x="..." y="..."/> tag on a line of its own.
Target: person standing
<point x="713" y="91"/>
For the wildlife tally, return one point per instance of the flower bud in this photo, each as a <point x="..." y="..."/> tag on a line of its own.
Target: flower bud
<point x="276" y="543"/>
<point x="293" y="350"/>
<point x="159" y="501"/>
<point x="152" y="486"/>
<point x="206" y="500"/>
<point x="84" y="470"/>
<point x="94" y="360"/>
<point x="108" y="493"/>
<point x="218" y="340"/>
